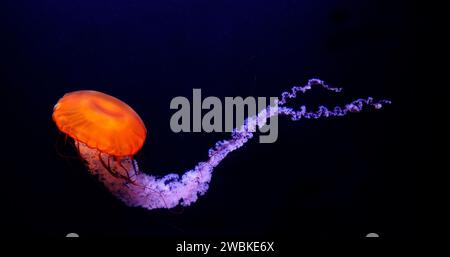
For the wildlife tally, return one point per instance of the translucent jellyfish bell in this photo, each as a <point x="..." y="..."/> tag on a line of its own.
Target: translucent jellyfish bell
<point x="100" y="121"/>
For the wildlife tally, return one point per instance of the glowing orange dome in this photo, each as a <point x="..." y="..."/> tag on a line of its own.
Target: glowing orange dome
<point x="100" y="121"/>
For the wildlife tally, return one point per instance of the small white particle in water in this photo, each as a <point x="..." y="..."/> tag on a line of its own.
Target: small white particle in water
<point x="372" y="235"/>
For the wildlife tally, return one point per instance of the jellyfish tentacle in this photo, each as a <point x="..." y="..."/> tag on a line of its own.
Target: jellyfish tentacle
<point x="323" y="111"/>
<point x="107" y="165"/>
<point x="135" y="166"/>
<point x="174" y="189"/>
<point x="60" y="153"/>
<point x="311" y="83"/>
<point x="128" y="177"/>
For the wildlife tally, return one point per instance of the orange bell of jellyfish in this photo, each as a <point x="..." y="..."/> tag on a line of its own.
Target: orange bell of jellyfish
<point x="101" y="122"/>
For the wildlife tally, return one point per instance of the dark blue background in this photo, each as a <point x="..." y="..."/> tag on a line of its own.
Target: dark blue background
<point x="335" y="178"/>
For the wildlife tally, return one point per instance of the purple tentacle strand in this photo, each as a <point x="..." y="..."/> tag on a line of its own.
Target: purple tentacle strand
<point x="122" y="177"/>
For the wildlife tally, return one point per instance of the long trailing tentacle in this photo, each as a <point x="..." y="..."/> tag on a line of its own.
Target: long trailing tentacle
<point x="241" y="135"/>
<point x="311" y="83"/>
<point x="173" y="189"/>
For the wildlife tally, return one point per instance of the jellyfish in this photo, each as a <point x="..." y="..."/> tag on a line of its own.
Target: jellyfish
<point x="108" y="133"/>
